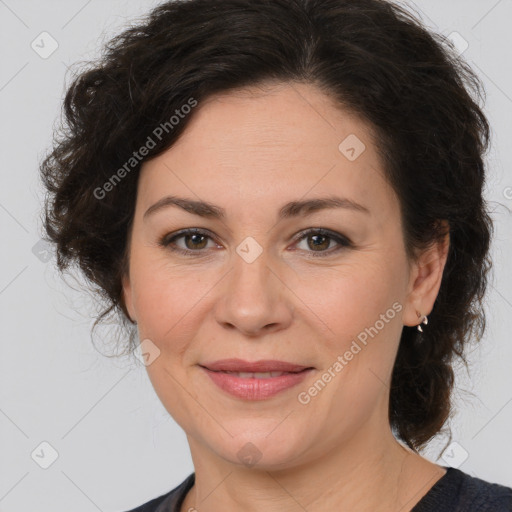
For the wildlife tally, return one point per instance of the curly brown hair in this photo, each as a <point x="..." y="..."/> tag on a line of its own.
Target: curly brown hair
<point x="377" y="61"/>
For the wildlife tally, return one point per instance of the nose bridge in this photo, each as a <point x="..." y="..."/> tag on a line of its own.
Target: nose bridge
<point x="253" y="298"/>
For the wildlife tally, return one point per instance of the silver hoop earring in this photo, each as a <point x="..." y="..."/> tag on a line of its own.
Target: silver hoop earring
<point x="424" y="321"/>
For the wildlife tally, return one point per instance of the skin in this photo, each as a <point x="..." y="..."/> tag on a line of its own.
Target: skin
<point x="250" y="152"/>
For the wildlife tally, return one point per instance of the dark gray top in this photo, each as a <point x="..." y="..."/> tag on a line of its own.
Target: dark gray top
<point x="456" y="491"/>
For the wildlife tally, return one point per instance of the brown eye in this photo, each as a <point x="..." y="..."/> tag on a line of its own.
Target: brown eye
<point x="321" y="242"/>
<point x="194" y="241"/>
<point x="318" y="241"/>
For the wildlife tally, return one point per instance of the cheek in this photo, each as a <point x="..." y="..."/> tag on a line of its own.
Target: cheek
<point x="164" y="292"/>
<point x="169" y="310"/>
<point x="350" y="299"/>
<point x="360" y="313"/>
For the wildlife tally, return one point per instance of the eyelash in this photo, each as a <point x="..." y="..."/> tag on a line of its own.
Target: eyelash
<point x="343" y="242"/>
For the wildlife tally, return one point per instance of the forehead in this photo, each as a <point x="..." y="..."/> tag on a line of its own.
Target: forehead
<point x="280" y="119"/>
<point x="270" y="143"/>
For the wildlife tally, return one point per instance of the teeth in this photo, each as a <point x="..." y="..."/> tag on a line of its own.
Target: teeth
<point x="257" y="375"/>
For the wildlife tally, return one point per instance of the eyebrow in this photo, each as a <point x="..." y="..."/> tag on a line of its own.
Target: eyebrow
<point x="291" y="209"/>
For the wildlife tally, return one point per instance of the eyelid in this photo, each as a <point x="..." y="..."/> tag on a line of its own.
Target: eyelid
<point x="169" y="238"/>
<point x="322" y="231"/>
<point x="342" y="241"/>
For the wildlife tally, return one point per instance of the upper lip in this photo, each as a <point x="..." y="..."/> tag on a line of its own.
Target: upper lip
<point x="264" y="365"/>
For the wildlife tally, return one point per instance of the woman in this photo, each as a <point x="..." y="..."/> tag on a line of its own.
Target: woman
<point x="283" y="201"/>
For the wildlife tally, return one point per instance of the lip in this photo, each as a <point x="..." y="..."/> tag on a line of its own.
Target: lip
<point x="264" y="365"/>
<point x="252" y="388"/>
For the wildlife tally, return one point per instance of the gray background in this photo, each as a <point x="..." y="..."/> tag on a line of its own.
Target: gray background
<point x="116" y="444"/>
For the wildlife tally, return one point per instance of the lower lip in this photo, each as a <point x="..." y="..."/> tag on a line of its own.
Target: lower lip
<point x="256" y="389"/>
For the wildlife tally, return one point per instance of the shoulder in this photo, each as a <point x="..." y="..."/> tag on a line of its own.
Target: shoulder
<point x="171" y="501"/>
<point x="457" y="491"/>
<point x="484" y="496"/>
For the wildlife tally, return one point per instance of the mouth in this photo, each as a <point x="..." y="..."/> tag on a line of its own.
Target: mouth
<point x="256" y="375"/>
<point x="267" y="378"/>
<point x="257" y="367"/>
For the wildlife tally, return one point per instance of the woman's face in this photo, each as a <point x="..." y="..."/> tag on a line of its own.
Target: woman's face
<point x="251" y="286"/>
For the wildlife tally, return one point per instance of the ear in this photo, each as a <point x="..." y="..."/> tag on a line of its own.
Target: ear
<point x="425" y="280"/>
<point x="128" y="297"/>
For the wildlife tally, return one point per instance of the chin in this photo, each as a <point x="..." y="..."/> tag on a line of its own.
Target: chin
<point x="260" y="448"/>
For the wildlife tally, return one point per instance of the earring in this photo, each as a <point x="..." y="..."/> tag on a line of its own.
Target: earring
<point x="424" y="321"/>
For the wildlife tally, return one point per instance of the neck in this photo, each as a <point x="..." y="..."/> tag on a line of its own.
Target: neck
<point x="368" y="473"/>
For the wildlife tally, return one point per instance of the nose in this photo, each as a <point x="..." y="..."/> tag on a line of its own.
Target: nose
<point x="254" y="299"/>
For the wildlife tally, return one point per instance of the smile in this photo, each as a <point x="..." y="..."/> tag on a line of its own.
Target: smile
<point x="256" y="385"/>
<point x="256" y="375"/>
